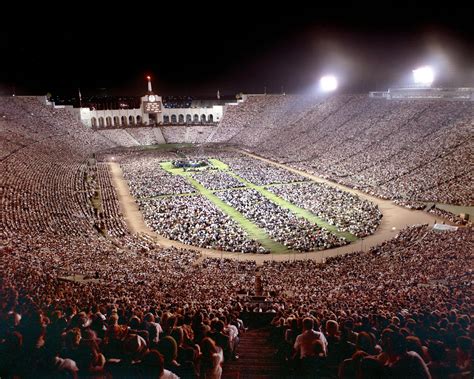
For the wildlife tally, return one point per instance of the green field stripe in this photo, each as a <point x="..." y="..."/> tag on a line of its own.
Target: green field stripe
<point x="169" y="167"/>
<point x="296" y="210"/>
<point x="254" y="232"/>
<point x="220" y="165"/>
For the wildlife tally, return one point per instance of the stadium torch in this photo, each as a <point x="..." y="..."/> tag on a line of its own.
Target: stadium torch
<point x="80" y="98"/>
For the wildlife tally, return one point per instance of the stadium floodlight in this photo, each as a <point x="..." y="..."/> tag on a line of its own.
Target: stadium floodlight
<point x="423" y="75"/>
<point x="328" y="83"/>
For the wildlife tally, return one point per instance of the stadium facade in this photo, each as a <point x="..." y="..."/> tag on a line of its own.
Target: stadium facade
<point x="151" y="112"/>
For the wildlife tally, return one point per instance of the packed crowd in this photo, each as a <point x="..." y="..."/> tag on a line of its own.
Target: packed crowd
<point x="416" y="289"/>
<point x="191" y="133"/>
<point x="402" y="309"/>
<point x="164" y="300"/>
<point x="409" y="150"/>
<point x="281" y="224"/>
<point x="136" y="136"/>
<point x="156" y="303"/>
<point x="340" y="208"/>
<point x="194" y="220"/>
<point x="261" y="173"/>
<point x="257" y="118"/>
<point x="217" y="180"/>
<point x="42" y="186"/>
<point x="146" y="178"/>
<point x="399" y="149"/>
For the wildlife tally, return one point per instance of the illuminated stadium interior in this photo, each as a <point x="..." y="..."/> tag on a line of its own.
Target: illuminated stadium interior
<point x="308" y="231"/>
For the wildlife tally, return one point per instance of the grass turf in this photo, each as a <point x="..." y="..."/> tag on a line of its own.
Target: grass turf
<point x="218" y="164"/>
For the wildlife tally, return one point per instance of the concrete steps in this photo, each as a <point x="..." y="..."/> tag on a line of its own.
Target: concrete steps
<point x="256" y="358"/>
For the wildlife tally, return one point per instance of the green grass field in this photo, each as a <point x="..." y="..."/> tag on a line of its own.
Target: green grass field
<point x="254" y="231"/>
<point x="218" y="164"/>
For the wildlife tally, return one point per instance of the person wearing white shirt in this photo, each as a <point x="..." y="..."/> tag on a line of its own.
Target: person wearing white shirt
<point x="303" y="346"/>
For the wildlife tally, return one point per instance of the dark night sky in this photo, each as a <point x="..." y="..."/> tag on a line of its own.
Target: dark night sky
<point x="195" y="51"/>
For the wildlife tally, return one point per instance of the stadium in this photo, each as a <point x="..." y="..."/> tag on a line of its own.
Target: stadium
<point x="321" y="234"/>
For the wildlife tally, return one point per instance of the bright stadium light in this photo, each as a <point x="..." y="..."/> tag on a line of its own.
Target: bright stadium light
<point x="423" y="75"/>
<point x="328" y="83"/>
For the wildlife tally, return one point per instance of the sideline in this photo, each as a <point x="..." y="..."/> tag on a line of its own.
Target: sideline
<point x="129" y="208"/>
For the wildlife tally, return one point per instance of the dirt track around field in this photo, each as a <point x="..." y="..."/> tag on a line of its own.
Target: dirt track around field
<point x="394" y="219"/>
